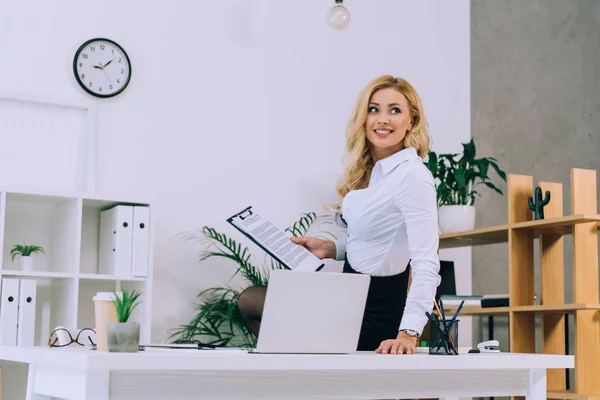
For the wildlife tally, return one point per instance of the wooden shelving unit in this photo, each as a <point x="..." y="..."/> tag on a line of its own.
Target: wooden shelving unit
<point x="520" y="233"/>
<point x="539" y="309"/>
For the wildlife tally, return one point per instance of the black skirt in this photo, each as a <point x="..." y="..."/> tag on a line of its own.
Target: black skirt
<point x="383" y="312"/>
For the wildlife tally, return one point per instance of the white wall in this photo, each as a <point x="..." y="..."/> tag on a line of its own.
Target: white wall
<point x="237" y="102"/>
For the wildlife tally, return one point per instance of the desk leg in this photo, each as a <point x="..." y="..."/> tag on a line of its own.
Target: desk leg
<point x="491" y="332"/>
<point x="30" y="394"/>
<point x="537" y="385"/>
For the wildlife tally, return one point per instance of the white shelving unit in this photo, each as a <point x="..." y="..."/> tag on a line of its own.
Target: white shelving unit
<point x="67" y="227"/>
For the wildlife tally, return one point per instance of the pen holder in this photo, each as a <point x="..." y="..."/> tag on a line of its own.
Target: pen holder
<point x="443" y="337"/>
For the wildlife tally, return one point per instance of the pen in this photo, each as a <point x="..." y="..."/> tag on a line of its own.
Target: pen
<point x="452" y="321"/>
<point x="439" y="312"/>
<point x="199" y="344"/>
<point x="460" y="306"/>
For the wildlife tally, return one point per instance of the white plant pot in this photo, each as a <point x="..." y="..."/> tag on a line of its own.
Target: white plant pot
<point x="26" y="263"/>
<point x="456" y="218"/>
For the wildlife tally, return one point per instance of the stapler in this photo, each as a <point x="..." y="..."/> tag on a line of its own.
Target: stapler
<point x="486" y="347"/>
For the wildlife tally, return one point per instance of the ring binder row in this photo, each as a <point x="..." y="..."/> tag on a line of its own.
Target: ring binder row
<point x="17" y="312"/>
<point x="124" y="241"/>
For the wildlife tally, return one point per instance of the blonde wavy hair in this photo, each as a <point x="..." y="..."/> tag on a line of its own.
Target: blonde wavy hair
<point x="359" y="162"/>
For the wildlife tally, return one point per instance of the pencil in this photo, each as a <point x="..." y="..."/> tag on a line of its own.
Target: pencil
<point x="437" y="307"/>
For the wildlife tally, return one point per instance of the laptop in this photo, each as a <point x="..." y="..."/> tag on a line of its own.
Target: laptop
<point x="312" y="312"/>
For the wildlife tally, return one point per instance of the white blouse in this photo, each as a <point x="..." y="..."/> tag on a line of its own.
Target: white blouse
<point x="394" y="221"/>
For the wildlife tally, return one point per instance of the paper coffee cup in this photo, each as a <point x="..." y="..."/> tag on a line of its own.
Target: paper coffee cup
<point x="105" y="314"/>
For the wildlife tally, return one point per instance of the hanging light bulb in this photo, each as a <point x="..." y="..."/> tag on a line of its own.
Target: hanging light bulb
<point x="338" y="17"/>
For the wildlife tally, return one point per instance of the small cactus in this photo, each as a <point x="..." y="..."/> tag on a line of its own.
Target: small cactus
<point x="537" y="206"/>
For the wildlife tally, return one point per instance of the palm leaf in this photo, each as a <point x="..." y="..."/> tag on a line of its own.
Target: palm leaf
<point x="232" y="250"/>
<point x="218" y="320"/>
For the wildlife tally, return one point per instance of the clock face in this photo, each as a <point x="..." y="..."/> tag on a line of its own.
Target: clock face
<point x="102" y="67"/>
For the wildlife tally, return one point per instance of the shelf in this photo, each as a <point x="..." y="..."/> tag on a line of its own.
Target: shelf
<point x="546" y="309"/>
<point x="37" y="274"/>
<point x="499" y="234"/>
<point x="66" y="225"/>
<point x="66" y="275"/>
<point x="47" y="221"/>
<point x="569" y="395"/>
<point x="102" y="277"/>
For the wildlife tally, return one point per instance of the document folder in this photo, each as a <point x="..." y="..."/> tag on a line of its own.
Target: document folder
<point x="116" y="241"/>
<point x="9" y="312"/>
<point x="139" y="252"/>
<point x="274" y="241"/>
<point x="27" y="302"/>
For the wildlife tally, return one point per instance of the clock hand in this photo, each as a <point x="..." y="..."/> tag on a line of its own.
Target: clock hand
<point x="107" y="77"/>
<point x="95" y="66"/>
<point x="108" y="63"/>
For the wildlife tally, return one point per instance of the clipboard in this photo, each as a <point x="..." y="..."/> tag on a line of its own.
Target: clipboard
<point x="247" y="213"/>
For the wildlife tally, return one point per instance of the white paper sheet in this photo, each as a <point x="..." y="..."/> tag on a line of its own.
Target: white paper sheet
<point x="275" y="241"/>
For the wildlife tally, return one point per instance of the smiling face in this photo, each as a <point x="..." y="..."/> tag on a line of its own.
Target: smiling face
<point x="388" y="120"/>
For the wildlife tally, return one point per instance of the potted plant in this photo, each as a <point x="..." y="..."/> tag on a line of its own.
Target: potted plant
<point x="457" y="179"/>
<point x="124" y="336"/>
<point x="25" y="251"/>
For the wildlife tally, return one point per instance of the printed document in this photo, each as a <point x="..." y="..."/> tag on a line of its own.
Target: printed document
<point x="275" y="241"/>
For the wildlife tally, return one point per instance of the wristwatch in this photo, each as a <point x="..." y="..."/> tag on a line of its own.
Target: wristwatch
<point x="410" y="332"/>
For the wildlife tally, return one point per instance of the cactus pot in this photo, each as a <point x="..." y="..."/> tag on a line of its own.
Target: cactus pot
<point x="456" y="218"/>
<point x="123" y="337"/>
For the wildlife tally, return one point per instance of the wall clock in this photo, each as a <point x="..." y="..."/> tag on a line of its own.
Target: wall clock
<point x="101" y="67"/>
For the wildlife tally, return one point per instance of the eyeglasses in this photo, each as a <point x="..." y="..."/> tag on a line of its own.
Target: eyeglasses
<point x="80" y="339"/>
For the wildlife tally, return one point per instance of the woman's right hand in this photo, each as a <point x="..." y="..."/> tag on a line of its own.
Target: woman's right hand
<point x="319" y="247"/>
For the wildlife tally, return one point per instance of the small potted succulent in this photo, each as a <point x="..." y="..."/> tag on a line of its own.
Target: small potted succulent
<point x="124" y="336"/>
<point x="25" y="251"/>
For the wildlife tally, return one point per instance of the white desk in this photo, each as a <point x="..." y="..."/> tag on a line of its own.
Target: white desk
<point x="82" y="374"/>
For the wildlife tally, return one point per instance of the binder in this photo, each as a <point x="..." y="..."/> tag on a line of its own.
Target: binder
<point x="139" y="255"/>
<point x="9" y="311"/>
<point x="115" y="243"/>
<point x="26" y="322"/>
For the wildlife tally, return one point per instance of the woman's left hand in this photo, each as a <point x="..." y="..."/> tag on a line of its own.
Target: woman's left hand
<point x="404" y="343"/>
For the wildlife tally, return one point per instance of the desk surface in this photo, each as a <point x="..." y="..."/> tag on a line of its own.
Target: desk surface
<point x="219" y="360"/>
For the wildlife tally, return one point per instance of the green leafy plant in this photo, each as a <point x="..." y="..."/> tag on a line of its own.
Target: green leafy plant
<point x="125" y="302"/>
<point x="25" y="250"/>
<point x="458" y="175"/>
<point x="217" y="319"/>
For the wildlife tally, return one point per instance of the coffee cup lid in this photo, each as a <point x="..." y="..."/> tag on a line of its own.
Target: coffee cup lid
<point x="104" y="296"/>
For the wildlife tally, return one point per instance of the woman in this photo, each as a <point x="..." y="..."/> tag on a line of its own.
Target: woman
<point x="388" y="201"/>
